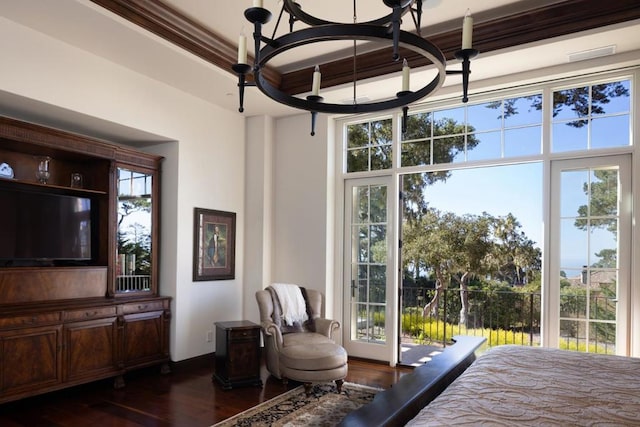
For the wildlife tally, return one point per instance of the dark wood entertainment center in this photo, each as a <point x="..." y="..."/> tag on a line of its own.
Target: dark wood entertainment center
<point x="67" y="323"/>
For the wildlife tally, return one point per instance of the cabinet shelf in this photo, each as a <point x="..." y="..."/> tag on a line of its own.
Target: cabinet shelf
<point x="59" y="188"/>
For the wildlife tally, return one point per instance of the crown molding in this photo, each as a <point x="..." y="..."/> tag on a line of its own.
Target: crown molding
<point x="539" y="23"/>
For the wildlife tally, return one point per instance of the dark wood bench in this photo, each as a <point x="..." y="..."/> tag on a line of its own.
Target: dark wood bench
<point x="400" y="403"/>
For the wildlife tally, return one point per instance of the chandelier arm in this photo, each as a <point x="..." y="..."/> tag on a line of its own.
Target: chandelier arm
<point x="465" y="56"/>
<point x="395" y="28"/>
<point x="292" y="20"/>
<point x="416" y="14"/>
<point x="242" y="70"/>
<point x="258" y="16"/>
<point x="275" y="29"/>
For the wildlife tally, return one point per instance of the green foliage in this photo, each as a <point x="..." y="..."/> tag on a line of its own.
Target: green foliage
<point x="602" y="192"/>
<point x="581" y="99"/>
<point x="430" y="330"/>
<point x="582" y="347"/>
<point x="447" y="246"/>
<point x="136" y="238"/>
<point x="369" y="146"/>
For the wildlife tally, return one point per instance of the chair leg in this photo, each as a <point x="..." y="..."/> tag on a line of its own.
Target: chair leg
<point x="307" y="388"/>
<point x="339" y="385"/>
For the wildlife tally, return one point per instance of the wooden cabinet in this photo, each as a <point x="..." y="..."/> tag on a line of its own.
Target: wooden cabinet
<point x="145" y="330"/>
<point x="91" y="347"/>
<point x="79" y="341"/>
<point x="69" y="312"/>
<point x="237" y="354"/>
<point x="30" y="358"/>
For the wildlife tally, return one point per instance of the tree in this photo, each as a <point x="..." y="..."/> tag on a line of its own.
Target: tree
<point x="455" y="248"/>
<point x="136" y="238"/>
<point x="576" y="99"/>
<point x="445" y="150"/>
<point x="371" y="142"/>
<point x="602" y="194"/>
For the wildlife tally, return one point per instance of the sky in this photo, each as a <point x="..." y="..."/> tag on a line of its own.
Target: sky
<point x="499" y="190"/>
<point x="517" y="189"/>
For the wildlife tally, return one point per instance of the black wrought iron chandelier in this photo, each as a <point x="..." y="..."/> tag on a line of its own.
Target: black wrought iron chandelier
<point x="386" y="28"/>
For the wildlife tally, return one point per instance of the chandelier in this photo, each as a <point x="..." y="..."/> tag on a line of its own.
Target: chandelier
<point x="385" y="29"/>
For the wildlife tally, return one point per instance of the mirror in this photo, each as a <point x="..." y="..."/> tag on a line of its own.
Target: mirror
<point x="133" y="262"/>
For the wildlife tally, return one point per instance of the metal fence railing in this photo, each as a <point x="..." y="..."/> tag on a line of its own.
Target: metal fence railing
<point x="434" y="316"/>
<point x="132" y="283"/>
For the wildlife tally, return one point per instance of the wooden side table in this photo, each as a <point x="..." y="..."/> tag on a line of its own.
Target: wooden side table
<point x="237" y="354"/>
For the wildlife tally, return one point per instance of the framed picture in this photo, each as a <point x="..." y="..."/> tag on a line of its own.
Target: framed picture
<point x="214" y="245"/>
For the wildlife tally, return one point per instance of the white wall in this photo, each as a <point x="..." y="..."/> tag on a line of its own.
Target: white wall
<point x="204" y="168"/>
<point x="258" y="255"/>
<point x="289" y="206"/>
<point x="300" y="201"/>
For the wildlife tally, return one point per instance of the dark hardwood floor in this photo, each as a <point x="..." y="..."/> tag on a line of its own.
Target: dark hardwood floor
<point x="186" y="397"/>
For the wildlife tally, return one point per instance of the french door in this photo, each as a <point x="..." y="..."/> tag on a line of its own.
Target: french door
<point x="590" y="255"/>
<point x="369" y="296"/>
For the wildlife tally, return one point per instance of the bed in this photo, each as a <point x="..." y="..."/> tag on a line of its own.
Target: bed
<point x="515" y="385"/>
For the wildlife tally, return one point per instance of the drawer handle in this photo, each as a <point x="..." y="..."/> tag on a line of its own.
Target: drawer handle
<point x="91" y="314"/>
<point x="143" y="307"/>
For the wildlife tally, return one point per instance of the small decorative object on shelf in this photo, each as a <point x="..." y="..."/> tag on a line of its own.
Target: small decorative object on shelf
<point x="76" y="180"/>
<point x="5" y="171"/>
<point x="43" y="173"/>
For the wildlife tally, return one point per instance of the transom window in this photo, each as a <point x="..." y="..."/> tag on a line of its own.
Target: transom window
<point x="491" y="130"/>
<point x="585" y="117"/>
<point x="591" y="117"/>
<point x="369" y="146"/>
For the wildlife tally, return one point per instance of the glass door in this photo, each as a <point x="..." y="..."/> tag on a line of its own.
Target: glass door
<point x="368" y="277"/>
<point x="589" y="285"/>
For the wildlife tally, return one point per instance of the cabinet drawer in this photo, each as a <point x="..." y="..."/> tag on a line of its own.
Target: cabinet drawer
<point x="143" y="306"/>
<point x="90" y="313"/>
<point x="30" y="320"/>
<point x="243" y="334"/>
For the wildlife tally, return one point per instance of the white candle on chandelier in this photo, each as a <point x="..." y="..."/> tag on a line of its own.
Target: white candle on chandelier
<point x="405" y="75"/>
<point x="467" y="30"/>
<point x="315" y="87"/>
<point x="257" y="3"/>
<point x="242" y="49"/>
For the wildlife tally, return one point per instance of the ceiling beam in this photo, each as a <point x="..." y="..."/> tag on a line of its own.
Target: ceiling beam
<point x="554" y="20"/>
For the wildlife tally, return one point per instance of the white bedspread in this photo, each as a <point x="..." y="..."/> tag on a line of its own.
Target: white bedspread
<point x="525" y="386"/>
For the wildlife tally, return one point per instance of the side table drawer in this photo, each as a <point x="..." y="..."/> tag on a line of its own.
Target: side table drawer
<point x="243" y="334"/>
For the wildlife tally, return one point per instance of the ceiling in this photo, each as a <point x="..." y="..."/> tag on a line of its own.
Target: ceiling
<point x="190" y="44"/>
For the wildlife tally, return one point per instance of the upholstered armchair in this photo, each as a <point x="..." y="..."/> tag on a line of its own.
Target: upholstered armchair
<point x="301" y="352"/>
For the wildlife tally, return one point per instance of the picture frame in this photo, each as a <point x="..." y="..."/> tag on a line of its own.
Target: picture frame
<point x="214" y="245"/>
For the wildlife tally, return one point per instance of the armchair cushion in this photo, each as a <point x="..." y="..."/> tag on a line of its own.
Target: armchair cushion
<point x="313" y="356"/>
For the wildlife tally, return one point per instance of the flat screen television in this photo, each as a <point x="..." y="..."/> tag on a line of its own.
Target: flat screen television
<point x="38" y="228"/>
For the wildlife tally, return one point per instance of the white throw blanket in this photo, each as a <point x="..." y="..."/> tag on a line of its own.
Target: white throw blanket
<point x="294" y="309"/>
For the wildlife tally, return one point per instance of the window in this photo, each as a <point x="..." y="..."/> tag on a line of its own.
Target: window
<point x="510" y="127"/>
<point x="369" y="146"/>
<point x="445" y="158"/>
<point x="591" y="117"/>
